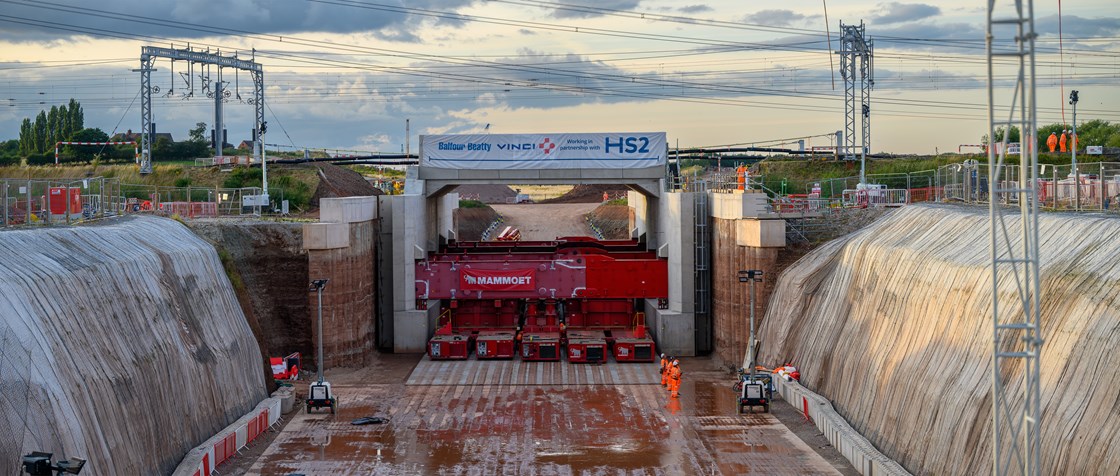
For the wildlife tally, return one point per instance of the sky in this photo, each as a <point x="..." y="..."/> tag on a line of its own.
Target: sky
<point x="347" y="74"/>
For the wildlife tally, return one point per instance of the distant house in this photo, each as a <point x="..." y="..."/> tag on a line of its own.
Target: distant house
<point x="245" y="145"/>
<point x="136" y="136"/>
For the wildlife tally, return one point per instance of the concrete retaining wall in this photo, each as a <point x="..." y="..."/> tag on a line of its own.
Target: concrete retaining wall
<point x="121" y="343"/>
<point x="344" y="252"/>
<point x="863" y="455"/>
<point x="893" y="325"/>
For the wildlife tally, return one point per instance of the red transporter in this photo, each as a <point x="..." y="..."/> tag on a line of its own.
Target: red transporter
<point x="575" y="291"/>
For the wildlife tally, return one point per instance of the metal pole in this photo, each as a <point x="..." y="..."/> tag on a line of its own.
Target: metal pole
<point x="752" y="339"/>
<point x="319" y="356"/>
<point x="1073" y="143"/>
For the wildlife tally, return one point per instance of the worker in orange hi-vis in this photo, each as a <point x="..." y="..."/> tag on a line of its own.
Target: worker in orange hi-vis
<point x="1062" y="142"/>
<point x="1072" y="140"/>
<point x="664" y="370"/>
<point x="741" y="176"/>
<point x="675" y="379"/>
<point x="1052" y="141"/>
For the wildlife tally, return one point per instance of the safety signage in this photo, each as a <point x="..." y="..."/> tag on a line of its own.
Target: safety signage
<point x="544" y="151"/>
<point x="496" y="280"/>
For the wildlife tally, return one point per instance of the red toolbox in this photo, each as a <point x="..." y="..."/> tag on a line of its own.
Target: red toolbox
<point x="494" y="345"/>
<point x="587" y="346"/>
<point x="540" y="346"/>
<point x="449" y="347"/>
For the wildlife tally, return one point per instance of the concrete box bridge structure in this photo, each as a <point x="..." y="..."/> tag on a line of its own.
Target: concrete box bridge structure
<point x="670" y="232"/>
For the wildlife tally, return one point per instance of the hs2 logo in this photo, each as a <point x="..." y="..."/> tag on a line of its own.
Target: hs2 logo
<point x="629" y="145"/>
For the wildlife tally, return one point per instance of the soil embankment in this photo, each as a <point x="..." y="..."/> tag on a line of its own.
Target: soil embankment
<point x="472" y="222"/>
<point x="893" y="325"/>
<point x="271" y="276"/>
<point x="613" y="221"/>
<point x="121" y="343"/>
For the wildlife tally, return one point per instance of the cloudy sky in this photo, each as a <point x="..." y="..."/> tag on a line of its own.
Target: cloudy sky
<point x="346" y="74"/>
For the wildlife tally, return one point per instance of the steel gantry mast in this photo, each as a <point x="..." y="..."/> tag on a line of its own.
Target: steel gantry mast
<point x="148" y="55"/>
<point x="1017" y="338"/>
<point x="856" y="48"/>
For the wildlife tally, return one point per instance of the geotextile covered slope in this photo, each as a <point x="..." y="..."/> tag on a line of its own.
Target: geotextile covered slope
<point x="893" y="324"/>
<point x="121" y="343"/>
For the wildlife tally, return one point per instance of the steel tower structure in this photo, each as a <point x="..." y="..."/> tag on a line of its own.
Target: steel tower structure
<point x="148" y="55"/>
<point x="856" y="48"/>
<point x="1016" y="339"/>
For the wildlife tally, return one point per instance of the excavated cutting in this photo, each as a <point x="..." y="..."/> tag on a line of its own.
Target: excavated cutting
<point x="120" y="343"/>
<point x="893" y="324"/>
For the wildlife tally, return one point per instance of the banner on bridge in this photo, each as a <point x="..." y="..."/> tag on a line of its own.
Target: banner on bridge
<point x="622" y="150"/>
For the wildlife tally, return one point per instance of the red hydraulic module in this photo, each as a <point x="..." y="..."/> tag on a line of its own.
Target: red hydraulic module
<point x="534" y="297"/>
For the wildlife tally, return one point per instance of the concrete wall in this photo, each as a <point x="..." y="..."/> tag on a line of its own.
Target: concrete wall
<point x="731" y="299"/>
<point x="418" y="225"/>
<point x="861" y="453"/>
<point x="738" y="204"/>
<point x="669" y="222"/>
<point x="344" y="252"/>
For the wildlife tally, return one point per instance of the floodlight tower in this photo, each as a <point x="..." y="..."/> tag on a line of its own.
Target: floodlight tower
<point x="856" y="48"/>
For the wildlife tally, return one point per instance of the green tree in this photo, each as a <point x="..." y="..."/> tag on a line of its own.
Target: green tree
<point x="40" y="132"/>
<point x="86" y="153"/>
<point x="52" y="127"/>
<point x="26" y="140"/>
<point x="75" y="120"/>
<point x="1012" y="138"/>
<point x="198" y="134"/>
<point x="90" y="135"/>
<point x="62" y="132"/>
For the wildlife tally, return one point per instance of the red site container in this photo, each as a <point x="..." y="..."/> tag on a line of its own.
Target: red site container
<point x="494" y="345"/>
<point x="587" y="347"/>
<point x="449" y="347"/>
<point x="58" y="200"/>
<point x="631" y="346"/>
<point x="540" y="346"/>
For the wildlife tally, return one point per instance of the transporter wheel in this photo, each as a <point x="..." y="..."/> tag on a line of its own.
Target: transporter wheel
<point x="309" y="408"/>
<point x="739" y="408"/>
<point x="766" y="408"/>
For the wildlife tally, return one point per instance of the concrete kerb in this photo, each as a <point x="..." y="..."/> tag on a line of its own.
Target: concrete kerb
<point x="202" y="460"/>
<point x="860" y="452"/>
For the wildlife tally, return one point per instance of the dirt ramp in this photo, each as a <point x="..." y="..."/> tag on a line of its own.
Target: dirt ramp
<point x="543" y="222"/>
<point x="121" y="343"/>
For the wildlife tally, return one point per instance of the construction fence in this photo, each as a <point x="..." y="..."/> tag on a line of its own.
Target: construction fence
<point x="67" y="201"/>
<point x="1092" y="187"/>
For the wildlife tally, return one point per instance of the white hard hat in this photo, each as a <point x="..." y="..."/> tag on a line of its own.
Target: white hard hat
<point x="676" y="363"/>
<point x="662" y="356"/>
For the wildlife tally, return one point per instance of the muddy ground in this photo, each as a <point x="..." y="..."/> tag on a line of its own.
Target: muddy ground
<point x="488" y="428"/>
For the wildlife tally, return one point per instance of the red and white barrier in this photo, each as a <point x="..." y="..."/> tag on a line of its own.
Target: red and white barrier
<point x="204" y="459"/>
